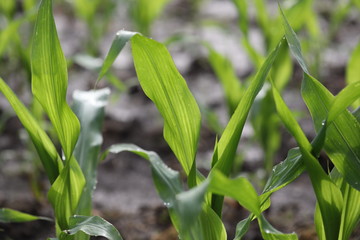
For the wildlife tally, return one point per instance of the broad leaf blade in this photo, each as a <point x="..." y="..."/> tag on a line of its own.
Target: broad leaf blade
<point x="93" y="226"/>
<point x="10" y="216"/>
<point x="49" y="78"/>
<point x="164" y="85"/>
<point x="90" y="109"/>
<point x="44" y="147"/>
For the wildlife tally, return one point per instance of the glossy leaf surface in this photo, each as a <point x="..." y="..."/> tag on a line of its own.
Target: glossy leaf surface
<point x="89" y="107"/>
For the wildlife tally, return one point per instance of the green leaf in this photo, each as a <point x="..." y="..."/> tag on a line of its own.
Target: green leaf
<point x="327" y="194"/>
<point x="211" y="226"/>
<point x="166" y="180"/>
<point x="242" y="228"/>
<point x="90" y="109"/>
<point x="342" y="136"/>
<point x="121" y="38"/>
<point x="228" y="142"/>
<point x="268" y="232"/>
<point x="164" y="85"/>
<point x="44" y="147"/>
<point x="346" y="97"/>
<point x="239" y="189"/>
<point x="285" y="172"/>
<point x="49" y="78"/>
<point x="189" y="217"/>
<point x="9" y="215"/>
<point x="351" y="212"/>
<point x="353" y="71"/>
<point x="293" y="42"/>
<point x="93" y="226"/>
<point x="225" y="72"/>
<point x="343" y="140"/>
<point x="65" y="193"/>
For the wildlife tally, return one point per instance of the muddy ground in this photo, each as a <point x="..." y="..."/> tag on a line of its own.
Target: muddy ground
<point x="125" y="194"/>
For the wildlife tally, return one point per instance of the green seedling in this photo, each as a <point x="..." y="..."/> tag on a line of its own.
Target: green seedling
<point x="72" y="176"/>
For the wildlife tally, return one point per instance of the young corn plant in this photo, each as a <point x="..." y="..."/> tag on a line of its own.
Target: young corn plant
<point x="196" y="213"/>
<point x="73" y="174"/>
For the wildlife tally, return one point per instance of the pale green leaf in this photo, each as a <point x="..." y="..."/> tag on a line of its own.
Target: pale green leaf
<point x="93" y="226"/>
<point x="44" y="147"/>
<point x="164" y="85"/>
<point x="121" y="38"/>
<point x="49" y="78"/>
<point x="90" y="109"/>
<point x="10" y="216"/>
